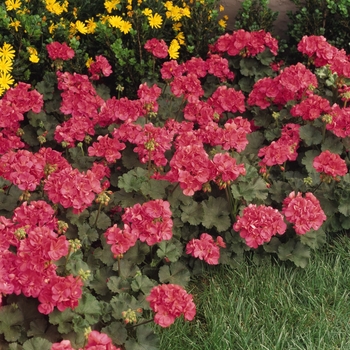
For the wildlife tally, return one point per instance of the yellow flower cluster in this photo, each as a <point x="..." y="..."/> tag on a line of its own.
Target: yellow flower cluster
<point x="34" y="58"/>
<point x="175" y="13"/>
<point x="55" y="7"/>
<point x="7" y="54"/>
<point x="119" y="23"/>
<point x="154" y="20"/>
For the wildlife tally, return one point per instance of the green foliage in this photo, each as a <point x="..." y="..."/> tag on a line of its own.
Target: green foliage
<point x="255" y="15"/>
<point x="329" y="18"/>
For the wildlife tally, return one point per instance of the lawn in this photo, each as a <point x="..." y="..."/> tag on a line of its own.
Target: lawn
<point x="270" y="306"/>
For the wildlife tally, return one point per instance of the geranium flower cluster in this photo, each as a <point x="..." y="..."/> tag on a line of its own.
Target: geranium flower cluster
<point x="95" y="341"/>
<point x="170" y="301"/>
<point x="330" y="165"/>
<point x="338" y="121"/>
<point x="258" y="224"/>
<point x="293" y="83"/>
<point x="322" y="53"/>
<point x="285" y="148"/>
<point x="311" y="108"/>
<point x="26" y="170"/>
<point x="74" y="189"/>
<point x="205" y="248"/>
<point x="33" y="231"/>
<point x="150" y="222"/>
<point x="80" y="100"/>
<point x="304" y="212"/>
<point x="158" y="48"/>
<point x="16" y="101"/>
<point x="246" y="44"/>
<point x="59" y="51"/>
<point x="99" y="67"/>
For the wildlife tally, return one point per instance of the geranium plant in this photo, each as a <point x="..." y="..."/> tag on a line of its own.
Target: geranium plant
<point x="110" y="204"/>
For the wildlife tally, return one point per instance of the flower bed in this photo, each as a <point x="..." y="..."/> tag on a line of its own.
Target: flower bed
<point x="111" y="203"/>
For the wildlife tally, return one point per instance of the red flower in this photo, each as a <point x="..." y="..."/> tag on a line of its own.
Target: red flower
<point x="258" y="224"/>
<point x="158" y="48"/>
<point x="100" y="67"/>
<point x="121" y="240"/>
<point x="99" y="341"/>
<point x="311" y="108"/>
<point x="57" y="50"/>
<point x="330" y="164"/>
<point x="170" y="301"/>
<point x="206" y="248"/>
<point x="305" y="213"/>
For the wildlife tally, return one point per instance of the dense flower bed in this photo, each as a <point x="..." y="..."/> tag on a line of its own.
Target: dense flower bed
<point x="110" y="204"/>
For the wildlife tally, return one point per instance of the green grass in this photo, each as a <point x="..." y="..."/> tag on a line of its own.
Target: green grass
<point x="270" y="306"/>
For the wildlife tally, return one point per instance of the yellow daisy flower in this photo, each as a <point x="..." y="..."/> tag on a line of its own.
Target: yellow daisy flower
<point x="173" y="50"/>
<point x="52" y="28"/>
<point x="5" y="65"/>
<point x="180" y="37"/>
<point x="115" y="21"/>
<point x="88" y="62"/>
<point x="6" y="80"/>
<point x="111" y="5"/>
<point x="125" y="27"/>
<point x="80" y="27"/>
<point x="147" y="12"/>
<point x="222" y="23"/>
<point x="221" y="8"/>
<point x="155" y="21"/>
<point x="16" y="24"/>
<point x="34" y="58"/>
<point x="90" y="26"/>
<point x="177" y="26"/>
<point x="7" y="51"/>
<point x="13" y="5"/>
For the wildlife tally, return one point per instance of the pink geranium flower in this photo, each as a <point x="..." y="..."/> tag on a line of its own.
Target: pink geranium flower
<point x="57" y="50"/>
<point x="258" y="224"/>
<point x="205" y="248"/>
<point x="330" y="164"/>
<point x="304" y="212"/>
<point x="170" y="301"/>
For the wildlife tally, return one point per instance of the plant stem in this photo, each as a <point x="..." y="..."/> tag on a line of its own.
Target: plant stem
<point x="98" y="214"/>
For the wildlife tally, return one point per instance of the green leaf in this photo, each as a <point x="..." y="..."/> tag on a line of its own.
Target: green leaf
<point x="103" y="91"/>
<point x="87" y="234"/>
<point x="294" y="251"/>
<point x="130" y="159"/>
<point x="146" y="339"/>
<point x="76" y="219"/>
<point x="99" y="283"/>
<point x="177" y="273"/>
<point x="308" y="161"/>
<point x="30" y="136"/>
<point x="37" y="327"/>
<point x="133" y="180"/>
<point x="117" y="332"/>
<point x="272" y="246"/>
<point x="314" y="239"/>
<point x="123" y="302"/>
<point x="310" y="135"/>
<point x="137" y="253"/>
<point x="344" y="208"/>
<point x="333" y="144"/>
<point x="167" y="249"/>
<point x="192" y="213"/>
<point x="126" y="199"/>
<point x="155" y="189"/>
<point x="89" y="308"/>
<point x="63" y="319"/>
<point x="256" y="189"/>
<point x="216" y="213"/>
<point x="37" y="343"/>
<point x="103" y="221"/>
<point x="118" y="284"/>
<point x="255" y="140"/>
<point x="142" y="283"/>
<point x="11" y="320"/>
<point x="248" y="66"/>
